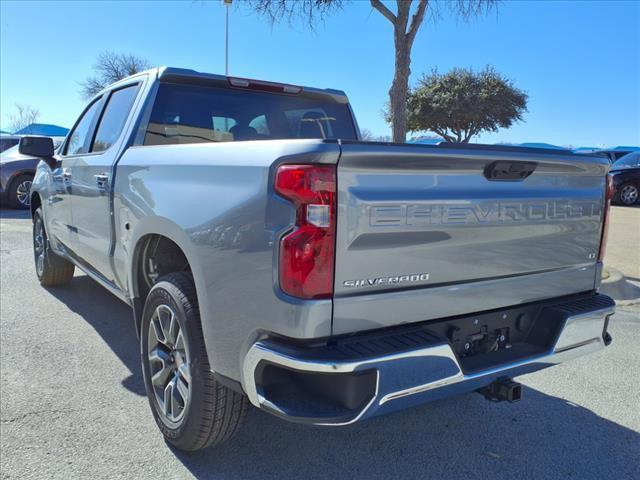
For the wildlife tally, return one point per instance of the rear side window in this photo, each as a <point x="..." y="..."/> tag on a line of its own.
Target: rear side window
<point x="631" y="160"/>
<point x="311" y="123"/>
<point x="79" y="138"/>
<point x="223" y="124"/>
<point x="114" y="117"/>
<point x="195" y="114"/>
<point x="260" y="124"/>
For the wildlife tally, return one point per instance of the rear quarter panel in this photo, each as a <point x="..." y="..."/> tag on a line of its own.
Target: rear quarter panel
<point x="216" y="202"/>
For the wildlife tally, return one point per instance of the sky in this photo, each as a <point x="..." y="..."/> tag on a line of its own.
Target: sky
<point x="579" y="61"/>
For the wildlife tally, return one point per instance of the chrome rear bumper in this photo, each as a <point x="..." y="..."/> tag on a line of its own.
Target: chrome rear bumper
<point x="391" y="381"/>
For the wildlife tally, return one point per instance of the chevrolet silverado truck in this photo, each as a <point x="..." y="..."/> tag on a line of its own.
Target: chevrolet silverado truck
<point x="272" y="258"/>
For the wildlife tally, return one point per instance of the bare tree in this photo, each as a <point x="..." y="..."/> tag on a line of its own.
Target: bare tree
<point x="368" y="136"/>
<point x="406" y="21"/>
<point x="109" y="68"/>
<point x="25" y="116"/>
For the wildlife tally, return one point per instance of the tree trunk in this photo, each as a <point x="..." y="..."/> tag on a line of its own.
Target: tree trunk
<point x="399" y="87"/>
<point x="403" y="41"/>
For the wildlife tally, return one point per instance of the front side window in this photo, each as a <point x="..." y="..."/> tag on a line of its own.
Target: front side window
<point x="311" y="123"/>
<point x="114" y="117"/>
<point x="196" y="114"/>
<point x="223" y="124"/>
<point x="260" y="124"/>
<point x="79" y="139"/>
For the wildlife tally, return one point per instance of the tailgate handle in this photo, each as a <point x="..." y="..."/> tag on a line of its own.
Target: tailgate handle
<point x="503" y="171"/>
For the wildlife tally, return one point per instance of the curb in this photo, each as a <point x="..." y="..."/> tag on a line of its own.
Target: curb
<point x="624" y="292"/>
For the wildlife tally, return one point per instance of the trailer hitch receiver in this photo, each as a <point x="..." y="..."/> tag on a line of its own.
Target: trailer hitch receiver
<point x="501" y="390"/>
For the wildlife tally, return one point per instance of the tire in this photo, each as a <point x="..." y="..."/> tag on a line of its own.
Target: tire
<point x="627" y="194"/>
<point x="192" y="410"/>
<point x="52" y="270"/>
<point x="19" y="191"/>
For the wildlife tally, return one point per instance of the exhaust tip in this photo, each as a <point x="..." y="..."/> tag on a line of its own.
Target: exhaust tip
<point x="503" y="389"/>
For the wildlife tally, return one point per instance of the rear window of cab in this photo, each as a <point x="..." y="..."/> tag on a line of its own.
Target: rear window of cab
<point x="184" y="114"/>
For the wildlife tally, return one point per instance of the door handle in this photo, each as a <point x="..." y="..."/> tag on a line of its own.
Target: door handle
<point x="102" y="180"/>
<point x="63" y="176"/>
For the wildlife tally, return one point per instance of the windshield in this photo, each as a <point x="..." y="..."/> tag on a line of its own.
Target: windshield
<point x="193" y="114"/>
<point x="630" y="160"/>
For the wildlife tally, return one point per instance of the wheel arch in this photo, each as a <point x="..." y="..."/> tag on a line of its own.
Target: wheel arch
<point x="36" y="202"/>
<point x="156" y="237"/>
<point x="17" y="173"/>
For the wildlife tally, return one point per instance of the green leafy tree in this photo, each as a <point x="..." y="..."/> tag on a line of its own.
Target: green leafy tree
<point x="462" y="103"/>
<point x="406" y="21"/>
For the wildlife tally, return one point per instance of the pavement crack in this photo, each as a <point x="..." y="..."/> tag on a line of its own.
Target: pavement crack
<point x="33" y="414"/>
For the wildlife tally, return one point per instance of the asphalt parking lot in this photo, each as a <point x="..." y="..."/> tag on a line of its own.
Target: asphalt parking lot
<point x="72" y="404"/>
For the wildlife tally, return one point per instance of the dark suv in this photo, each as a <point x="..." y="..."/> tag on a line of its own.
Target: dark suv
<point x="626" y="179"/>
<point x="16" y="175"/>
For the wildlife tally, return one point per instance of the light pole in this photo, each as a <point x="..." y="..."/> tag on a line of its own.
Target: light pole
<point x="227" y="4"/>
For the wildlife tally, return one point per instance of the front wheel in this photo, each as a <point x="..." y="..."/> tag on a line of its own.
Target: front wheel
<point x="190" y="407"/>
<point x="52" y="269"/>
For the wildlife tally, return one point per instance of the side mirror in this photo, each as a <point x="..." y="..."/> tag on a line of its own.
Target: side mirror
<point x="41" y="147"/>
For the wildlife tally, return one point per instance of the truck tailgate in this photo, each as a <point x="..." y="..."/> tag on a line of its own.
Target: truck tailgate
<point x="428" y="232"/>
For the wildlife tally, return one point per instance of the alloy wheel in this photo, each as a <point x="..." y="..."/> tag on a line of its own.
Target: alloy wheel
<point x="39" y="245"/>
<point x="23" y="191"/>
<point x="168" y="358"/>
<point x="629" y="194"/>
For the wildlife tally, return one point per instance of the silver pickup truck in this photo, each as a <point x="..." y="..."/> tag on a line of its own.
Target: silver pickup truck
<point x="272" y="257"/>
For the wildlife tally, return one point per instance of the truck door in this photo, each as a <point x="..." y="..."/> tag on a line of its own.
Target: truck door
<point x="92" y="180"/>
<point x="58" y="208"/>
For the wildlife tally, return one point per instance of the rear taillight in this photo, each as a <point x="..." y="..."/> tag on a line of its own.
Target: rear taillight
<point x="307" y="253"/>
<point x="605" y="225"/>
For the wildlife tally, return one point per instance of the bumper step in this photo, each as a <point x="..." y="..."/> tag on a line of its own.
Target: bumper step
<point x="350" y="378"/>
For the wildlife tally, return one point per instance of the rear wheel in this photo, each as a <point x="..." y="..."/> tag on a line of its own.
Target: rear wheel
<point x="190" y="407"/>
<point x="51" y="269"/>
<point x="20" y="192"/>
<point x="628" y="194"/>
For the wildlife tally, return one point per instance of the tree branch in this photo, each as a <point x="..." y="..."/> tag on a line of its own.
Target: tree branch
<point x="308" y="10"/>
<point x="416" y="21"/>
<point x="444" y="135"/>
<point x="468" y="133"/>
<point x="468" y="9"/>
<point x="378" y="5"/>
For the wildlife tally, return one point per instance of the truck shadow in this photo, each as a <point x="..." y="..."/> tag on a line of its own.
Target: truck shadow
<point x="463" y="437"/>
<point x="112" y="320"/>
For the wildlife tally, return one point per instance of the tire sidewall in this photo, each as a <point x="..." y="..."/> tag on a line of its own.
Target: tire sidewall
<point x="167" y="293"/>
<point x="37" y="216"/>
